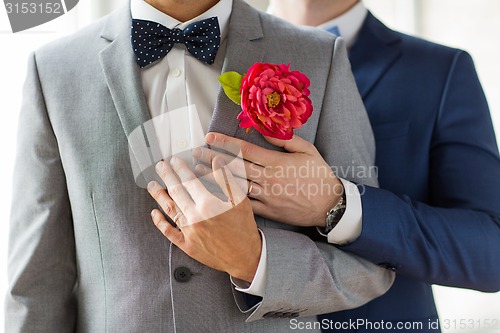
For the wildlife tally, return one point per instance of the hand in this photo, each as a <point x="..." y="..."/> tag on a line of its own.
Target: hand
<point x="220" y="234"/>
<point x="296" y="187"/>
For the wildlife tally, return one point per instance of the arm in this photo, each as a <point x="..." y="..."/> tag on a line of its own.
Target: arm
<point x="454" y="239"/>
<point x="306" y="278"/>
<point x="41" y="272"/>
<point x="303" y="278"/>
<point x="323" y="278"/>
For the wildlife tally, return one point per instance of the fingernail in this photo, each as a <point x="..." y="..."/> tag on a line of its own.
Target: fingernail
<point x="197" y="152"/>
<point x="210" y="138"/>
<point x="151" y="185"/>
<point x="153" y="213"/>
<point x="199" y="168"/>
<point x="159" y="166"/>
<point x="221" y="163"/>
<point x="174" y="160"/>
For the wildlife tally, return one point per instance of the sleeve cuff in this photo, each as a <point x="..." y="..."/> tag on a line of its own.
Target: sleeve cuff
<point x="258" y="284"/>
<point x="349" y="227"/>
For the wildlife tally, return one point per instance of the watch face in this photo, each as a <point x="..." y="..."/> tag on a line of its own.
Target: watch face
<point x="330" y="220"/>
<point x="333" y="217"/>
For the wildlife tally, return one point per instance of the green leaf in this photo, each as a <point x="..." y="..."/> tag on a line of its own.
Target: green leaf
<point x="231" y="83"/>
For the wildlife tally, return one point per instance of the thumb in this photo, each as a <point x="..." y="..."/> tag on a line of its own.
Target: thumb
<point x="295" y="145"/>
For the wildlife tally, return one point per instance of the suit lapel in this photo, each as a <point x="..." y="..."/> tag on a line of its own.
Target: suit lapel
<point x="124" y="82"/>
<point x="244" y="48"/>
<point x="373" y="53"/>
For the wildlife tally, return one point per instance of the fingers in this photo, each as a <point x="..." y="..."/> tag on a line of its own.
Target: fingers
<point x="204" y="172"/>
<point x="239" y="167"/>
<point x="168" y="230"/>
<point x="174" y="187"/>
<point x="241" y="148"/>
<point x="251" y="188"/>
<point x="295" y="145"/>
<point x="162" y="198"/>
<point x="259" y="208"/>
<point x="227" y="182"/>
<point x="189" y="180"/>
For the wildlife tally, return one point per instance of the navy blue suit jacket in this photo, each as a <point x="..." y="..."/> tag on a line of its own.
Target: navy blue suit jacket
<point x="436" y="218"/>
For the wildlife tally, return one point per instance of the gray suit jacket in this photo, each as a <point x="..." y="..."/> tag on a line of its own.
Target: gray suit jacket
<point x="84" y="255"/>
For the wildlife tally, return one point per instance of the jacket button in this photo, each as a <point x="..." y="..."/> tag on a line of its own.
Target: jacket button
<point x="182" y="274"/>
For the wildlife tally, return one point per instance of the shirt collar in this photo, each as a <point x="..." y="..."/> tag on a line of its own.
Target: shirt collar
<point x="144" y="11"/>
<point x="349" y="23"/>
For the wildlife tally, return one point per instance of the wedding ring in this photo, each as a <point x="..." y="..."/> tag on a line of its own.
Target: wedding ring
<point x="250" y="187"/>
<point x="176" y="217"/>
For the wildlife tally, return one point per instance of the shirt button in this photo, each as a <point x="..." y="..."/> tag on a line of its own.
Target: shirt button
<point x="181" y="144"/>
<point x="176" y="72"/>
<point x="182" y="274"/>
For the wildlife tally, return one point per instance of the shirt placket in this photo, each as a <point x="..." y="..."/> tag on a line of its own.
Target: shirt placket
<point x="177" y="101"/>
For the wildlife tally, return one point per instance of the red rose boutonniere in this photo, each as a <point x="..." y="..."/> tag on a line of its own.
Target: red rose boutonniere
<point x="273" y="99"/>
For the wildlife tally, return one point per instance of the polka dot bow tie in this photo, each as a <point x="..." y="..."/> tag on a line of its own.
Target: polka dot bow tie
<point x="152" y="41"/>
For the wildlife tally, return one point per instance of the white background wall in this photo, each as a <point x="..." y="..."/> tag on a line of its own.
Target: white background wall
<point x="470" y="25"/>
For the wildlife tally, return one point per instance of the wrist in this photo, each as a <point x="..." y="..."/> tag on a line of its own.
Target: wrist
<point x="338" y="194"/>
<point x="250" y="263"/>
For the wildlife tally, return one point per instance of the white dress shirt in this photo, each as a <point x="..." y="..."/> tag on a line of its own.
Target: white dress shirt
<point x="181" y="92"/>
<point x="349" y="23"/>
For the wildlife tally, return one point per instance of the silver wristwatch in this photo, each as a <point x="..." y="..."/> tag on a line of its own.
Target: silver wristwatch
<point x="333" y="216"/>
